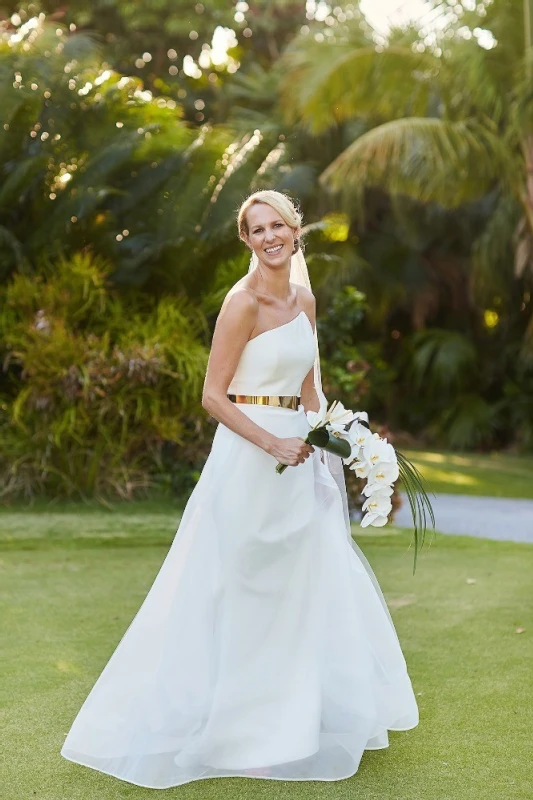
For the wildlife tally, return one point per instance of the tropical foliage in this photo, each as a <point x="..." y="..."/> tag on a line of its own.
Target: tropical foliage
<point x="93" y="159"/>
<point x="103" y="383"/>
<point x="446" y="122"/>
<point x="127" y="142"/>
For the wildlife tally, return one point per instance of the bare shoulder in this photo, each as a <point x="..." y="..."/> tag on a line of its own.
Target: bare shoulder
<point x="240" y="306"/>
<point x="306" y="300"/>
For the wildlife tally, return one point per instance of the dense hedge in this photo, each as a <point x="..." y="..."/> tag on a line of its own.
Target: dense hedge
<point x="99" y="384"/>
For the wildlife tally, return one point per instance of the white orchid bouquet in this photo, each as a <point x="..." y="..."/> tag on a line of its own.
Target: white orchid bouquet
<point x="347" y="434"/>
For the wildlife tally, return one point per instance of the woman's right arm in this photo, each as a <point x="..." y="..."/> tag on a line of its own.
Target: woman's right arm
<point x="235" y="323"/>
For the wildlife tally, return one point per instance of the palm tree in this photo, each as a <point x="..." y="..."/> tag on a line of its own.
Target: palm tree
<point x="446" y="124"/>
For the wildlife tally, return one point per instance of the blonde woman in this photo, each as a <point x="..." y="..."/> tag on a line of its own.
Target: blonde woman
<point x="264" y="647"/>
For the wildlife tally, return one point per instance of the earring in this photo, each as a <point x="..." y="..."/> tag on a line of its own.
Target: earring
<point x="296" y="246"/>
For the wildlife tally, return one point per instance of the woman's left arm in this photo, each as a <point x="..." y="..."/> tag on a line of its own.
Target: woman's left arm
<point x="309" y="394"/>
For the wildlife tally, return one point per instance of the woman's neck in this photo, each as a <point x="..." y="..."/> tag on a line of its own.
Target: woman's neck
<point x="274" y="282"/>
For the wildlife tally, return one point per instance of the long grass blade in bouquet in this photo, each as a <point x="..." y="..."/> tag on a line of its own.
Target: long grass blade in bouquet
<point x="415" y="488"/>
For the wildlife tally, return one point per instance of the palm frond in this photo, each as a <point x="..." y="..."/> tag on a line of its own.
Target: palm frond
<point x="87" y="190"/>
<point x="427" y="159"/>
<point x="19" y="177"/>
<point x="441" y="359"/>
<point x="327" y="83"/>
<point x="474" y="77"/>
<point x="469" y="421"/>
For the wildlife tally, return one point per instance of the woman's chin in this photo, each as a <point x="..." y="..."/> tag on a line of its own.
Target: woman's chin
<point x="278" y="260"/>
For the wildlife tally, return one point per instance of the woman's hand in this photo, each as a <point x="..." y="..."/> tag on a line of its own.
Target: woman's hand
<point x="291" y="451"/>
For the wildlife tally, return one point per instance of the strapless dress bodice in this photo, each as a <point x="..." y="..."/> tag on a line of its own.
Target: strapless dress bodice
<point x="276" y="361"/>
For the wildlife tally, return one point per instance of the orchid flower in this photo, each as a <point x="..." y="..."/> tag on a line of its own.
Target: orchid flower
<point x="361" y="468"/>
<point x="354" y="454"/>
<point x="376" y="520"/>
<point x="379" y="502"/>
<point x="316" y="419"/>
<point x="380" y="490"/>
<point x="359" y="434"/>
<point x="378" y="505"/>
<point x="377" y="451"/>
<point x="378" y="508"/>
<point x="382" y="474"/>
<point x="338" y="417"/>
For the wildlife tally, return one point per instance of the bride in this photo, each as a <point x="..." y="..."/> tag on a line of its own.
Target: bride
<point x="264" y="647"/>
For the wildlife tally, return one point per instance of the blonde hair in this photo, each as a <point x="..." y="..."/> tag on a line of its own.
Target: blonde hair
<point x="285" y="207"/>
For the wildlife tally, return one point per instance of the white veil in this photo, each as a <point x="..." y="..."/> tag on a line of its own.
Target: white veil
<point x="300" y="275"/>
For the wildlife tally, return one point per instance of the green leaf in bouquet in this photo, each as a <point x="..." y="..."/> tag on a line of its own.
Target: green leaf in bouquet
<point x="321" y="437"/>
<point x="414" y="484"/>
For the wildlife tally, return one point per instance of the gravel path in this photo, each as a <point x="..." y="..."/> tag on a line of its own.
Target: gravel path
<point x="486" y="517"/>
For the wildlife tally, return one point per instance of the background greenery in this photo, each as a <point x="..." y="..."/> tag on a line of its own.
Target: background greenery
<point x="126" y="147"/>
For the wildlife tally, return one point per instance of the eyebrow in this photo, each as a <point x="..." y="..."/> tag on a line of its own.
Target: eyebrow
<point x="258" y="225"/>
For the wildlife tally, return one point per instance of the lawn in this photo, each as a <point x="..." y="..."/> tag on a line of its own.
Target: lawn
<point x="73" y="579"/>
<point x="488" y="475"/>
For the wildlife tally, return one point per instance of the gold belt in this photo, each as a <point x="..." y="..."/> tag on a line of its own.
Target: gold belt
<point x="279" y="401"/>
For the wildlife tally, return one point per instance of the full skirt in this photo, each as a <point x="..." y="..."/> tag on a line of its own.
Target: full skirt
<point x="264" y="647"/>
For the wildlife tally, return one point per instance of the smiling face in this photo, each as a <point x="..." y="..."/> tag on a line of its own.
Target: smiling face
<point x="271" y="238"/>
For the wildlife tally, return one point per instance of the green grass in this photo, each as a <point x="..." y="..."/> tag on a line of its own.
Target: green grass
<point x="71" y="583"/>
<point x="488" y="475"/>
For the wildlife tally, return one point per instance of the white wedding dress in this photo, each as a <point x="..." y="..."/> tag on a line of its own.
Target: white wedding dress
<point x="264" y="647"/>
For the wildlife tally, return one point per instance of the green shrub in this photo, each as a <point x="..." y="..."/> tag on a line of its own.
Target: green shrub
<point x="99" y="383"/>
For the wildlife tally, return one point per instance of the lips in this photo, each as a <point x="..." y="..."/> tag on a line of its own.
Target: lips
<point x="274" y="251"/>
